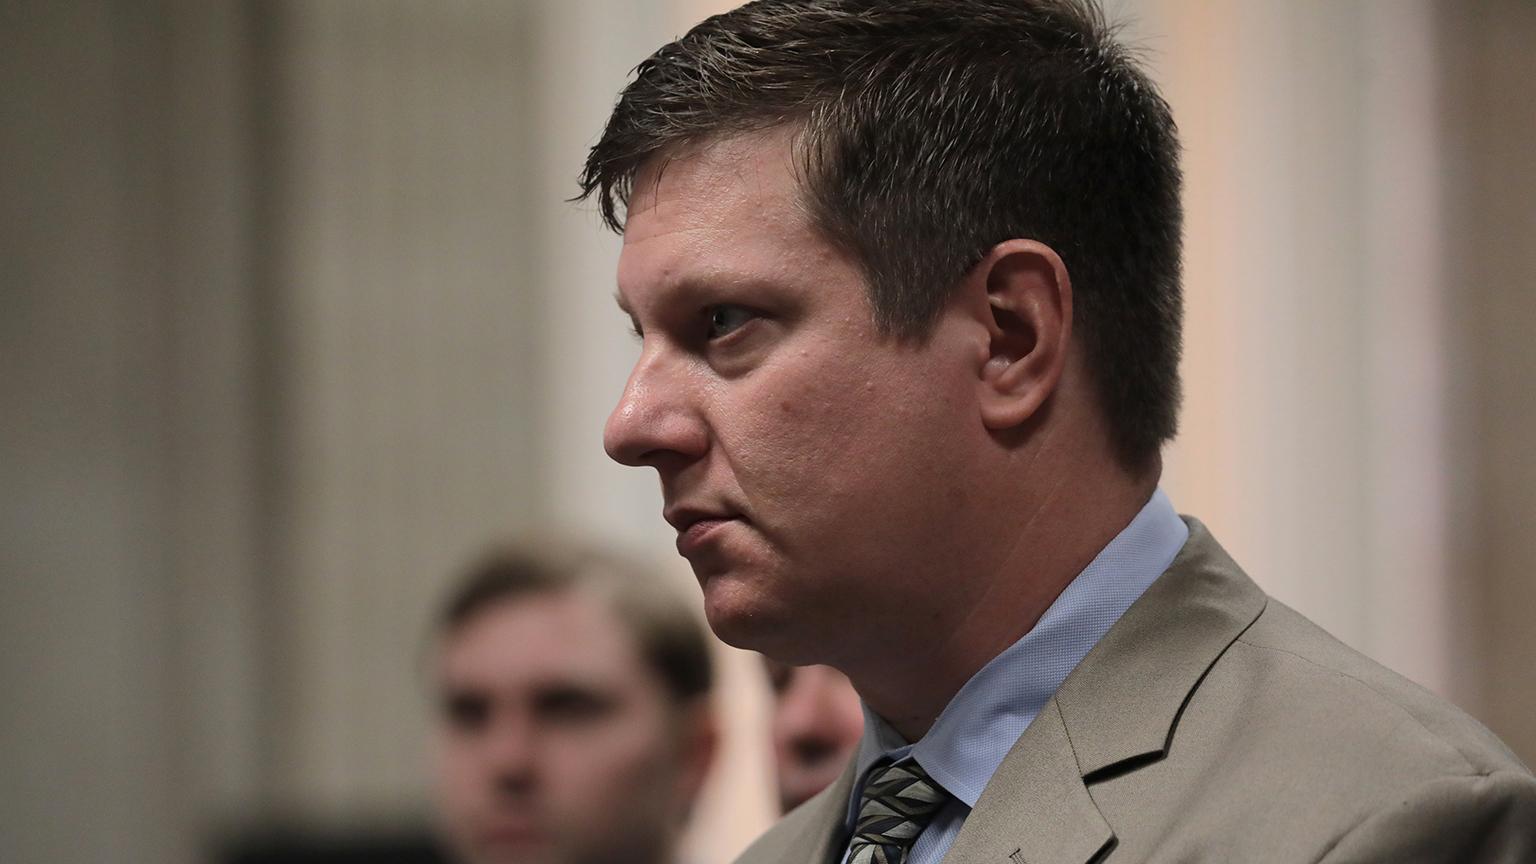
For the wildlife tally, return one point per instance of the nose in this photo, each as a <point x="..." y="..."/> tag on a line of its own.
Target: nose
<point x="510" y="754"/>
<point x="657" y="421"/>
<point x="818" y="717"/>
<point x="800" y="721"/>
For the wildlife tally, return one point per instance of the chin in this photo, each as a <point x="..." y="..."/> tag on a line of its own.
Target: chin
<point x="736" y="626"/>
<point x="771" y="632"/>
<point x="741" y="616"/>
<point x="749" y="607"/>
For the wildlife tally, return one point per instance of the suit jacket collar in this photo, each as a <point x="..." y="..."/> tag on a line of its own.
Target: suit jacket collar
<point x="1123" y="701"/>
<point x="1120" y="704"/>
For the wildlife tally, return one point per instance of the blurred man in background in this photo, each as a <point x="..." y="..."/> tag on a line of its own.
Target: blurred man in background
<point x="817" y="721"/>
<point x="574" y="722"/>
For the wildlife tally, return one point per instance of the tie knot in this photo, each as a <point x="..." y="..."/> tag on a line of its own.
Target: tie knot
<point x="898" y="802"/>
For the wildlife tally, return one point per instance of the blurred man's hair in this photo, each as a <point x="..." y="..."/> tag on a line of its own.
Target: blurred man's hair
<point x="669" y="634"/>
<point x="927" y="132"/>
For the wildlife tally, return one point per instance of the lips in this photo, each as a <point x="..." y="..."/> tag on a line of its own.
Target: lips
<point x="697" y="527"/>
<point x="510" y="834"/>
<point x="698" y="534"/>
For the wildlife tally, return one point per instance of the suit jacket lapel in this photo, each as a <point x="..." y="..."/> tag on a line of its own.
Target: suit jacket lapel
<point x="1035" y="809"/>
<point x="1120" y="704"/>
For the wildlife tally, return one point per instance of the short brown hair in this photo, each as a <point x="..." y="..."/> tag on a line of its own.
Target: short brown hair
<point x="669" y="635"/>
<point x="932" y="130"/>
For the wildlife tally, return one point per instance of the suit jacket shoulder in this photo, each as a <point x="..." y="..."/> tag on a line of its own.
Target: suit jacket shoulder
<point x="1214" y="724"/>
<point x="1435" y="733"/>
<point x="1294" y="747"/>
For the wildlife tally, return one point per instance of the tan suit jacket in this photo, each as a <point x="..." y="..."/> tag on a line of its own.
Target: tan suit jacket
<point x="1214" y="724"/>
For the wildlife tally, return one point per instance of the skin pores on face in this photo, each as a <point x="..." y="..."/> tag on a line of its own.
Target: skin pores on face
<point x="818" y="471"/>
<point x="556" y="744"/>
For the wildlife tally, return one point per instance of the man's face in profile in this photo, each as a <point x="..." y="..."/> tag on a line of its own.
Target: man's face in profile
<point x="556" y="743"/>
<point x="809" y="462"/>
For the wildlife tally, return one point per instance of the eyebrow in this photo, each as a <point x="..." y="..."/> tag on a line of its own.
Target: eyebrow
<point x="705" y="286"/>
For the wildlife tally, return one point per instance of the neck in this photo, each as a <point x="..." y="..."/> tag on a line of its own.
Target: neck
<point x="983" y="613"/>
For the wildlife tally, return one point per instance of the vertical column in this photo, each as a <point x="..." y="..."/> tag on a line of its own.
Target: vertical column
<point x="1489" y="84"/>
<point x="1413" y="607"/>
<point x="1271" y="452"/>
<point x="85" y="771"/>
<point x="400" y="265"/>
<point x="1310" y="443"/>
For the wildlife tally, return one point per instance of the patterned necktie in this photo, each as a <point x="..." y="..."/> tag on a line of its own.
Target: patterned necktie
<point x="897" y="803"/>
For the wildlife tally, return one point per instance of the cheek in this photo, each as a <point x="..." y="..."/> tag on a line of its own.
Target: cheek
<point x="460" y="781"/>
<point x="605" y="766"/>
<point x="807" y="417"/>
<point x="847" y="436"/>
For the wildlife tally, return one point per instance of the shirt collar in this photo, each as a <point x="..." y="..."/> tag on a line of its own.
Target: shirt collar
<point x="985" y="718"/>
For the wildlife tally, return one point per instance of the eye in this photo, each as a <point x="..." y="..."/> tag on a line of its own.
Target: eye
<point x="573" y="705"/>
<point x="467" y="712"/>
<point x="726" y="319"/>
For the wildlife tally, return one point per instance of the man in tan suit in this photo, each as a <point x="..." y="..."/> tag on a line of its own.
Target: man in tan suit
<point x="906" y="279"/>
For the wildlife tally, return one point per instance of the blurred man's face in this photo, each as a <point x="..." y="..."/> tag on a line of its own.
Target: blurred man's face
<point x="556" y="743"/>
<point x="817" y="723"/>
<point x="816" y="470"/>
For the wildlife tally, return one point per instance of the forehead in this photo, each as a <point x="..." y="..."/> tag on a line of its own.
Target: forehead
<point x="689" y="186"/>
<point x="719" y="208"/>
<point x="570" y="634"/>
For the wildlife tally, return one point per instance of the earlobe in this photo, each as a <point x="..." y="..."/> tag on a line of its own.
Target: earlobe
<point x="1029" y="297"/>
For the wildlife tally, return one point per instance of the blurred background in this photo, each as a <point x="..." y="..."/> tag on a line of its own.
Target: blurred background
<point x="294" y="320"/>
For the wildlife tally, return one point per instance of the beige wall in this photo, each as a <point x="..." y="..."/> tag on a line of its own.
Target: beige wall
<point x="1489" y="291"/>
<point x="395" y="242"/>
<point x="127" y="557"/>
<point x="293" y="317"/>
<point x="1312" y="442"/>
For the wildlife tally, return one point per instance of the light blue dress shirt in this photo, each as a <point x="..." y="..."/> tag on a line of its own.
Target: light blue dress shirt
<point x="983" y="721"/>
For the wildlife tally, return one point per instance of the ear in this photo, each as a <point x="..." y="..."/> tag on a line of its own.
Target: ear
<point x="1029" y="322"/>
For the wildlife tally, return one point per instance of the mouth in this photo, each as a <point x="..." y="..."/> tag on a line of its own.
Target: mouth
<point x="697" y="528"/>
<point x="514" y="834"/>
